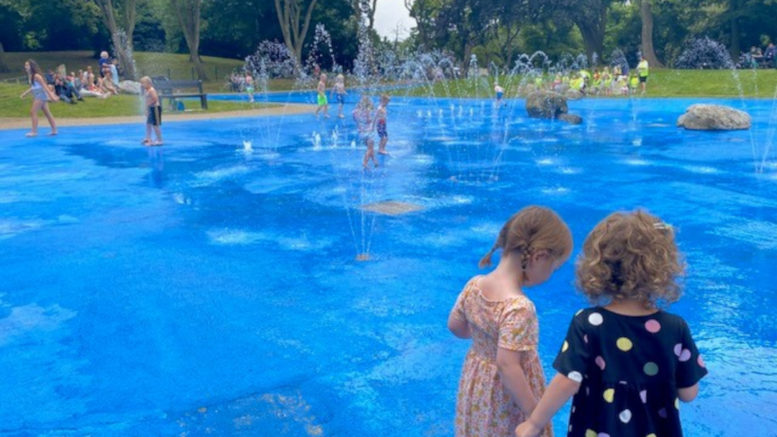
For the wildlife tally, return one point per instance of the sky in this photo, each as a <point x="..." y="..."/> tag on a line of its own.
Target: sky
<point x="389" y="15"/>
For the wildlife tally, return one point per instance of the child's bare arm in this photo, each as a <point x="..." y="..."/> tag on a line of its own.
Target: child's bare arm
<point x="153" y="97"/>
<point x="458" y="325"/>
<point x="688" y="394"/>
<point x="556" y="395"/>
<point x="514" y="379"/>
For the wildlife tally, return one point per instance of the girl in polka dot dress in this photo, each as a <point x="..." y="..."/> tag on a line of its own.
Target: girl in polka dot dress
<point x="627" y="363"/>
<point x="502" y="380"/>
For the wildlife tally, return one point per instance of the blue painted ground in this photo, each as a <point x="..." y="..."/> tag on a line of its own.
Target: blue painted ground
<point x="202" y="288"/>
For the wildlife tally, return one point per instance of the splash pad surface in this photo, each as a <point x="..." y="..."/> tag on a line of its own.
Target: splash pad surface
<point x="212" y="285"/>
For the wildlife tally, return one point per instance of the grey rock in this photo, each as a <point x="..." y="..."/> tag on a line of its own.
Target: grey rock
<point x="571" y="118"/>
<point x="714" y="117"/>
<point x="548" y="104"/>
<point x="129" y="87"/>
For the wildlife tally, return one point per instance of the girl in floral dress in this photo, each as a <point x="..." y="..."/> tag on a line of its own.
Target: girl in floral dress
<point x="627" y="363"/>
<point x="502" y="379"/>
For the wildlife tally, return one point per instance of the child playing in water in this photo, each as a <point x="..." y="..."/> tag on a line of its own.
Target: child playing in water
<point x="502" y="379"/>
<point x="362" y="115"/>
<point x="633" y="83"/>
<point x="627" y="363"/>
<point x="380" y="119"/>
<point x="499" y="91"/>
<point x="340" y="94"/>
<point x="153" y="112"/>
<point x="322" y="102"/>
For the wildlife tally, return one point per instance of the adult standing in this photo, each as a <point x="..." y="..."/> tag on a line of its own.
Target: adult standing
<point x="642" y="71"/>
<point x="41" y="94"/>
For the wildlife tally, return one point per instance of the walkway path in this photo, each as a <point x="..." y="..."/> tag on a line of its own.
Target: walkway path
<point x="286" y="109"/>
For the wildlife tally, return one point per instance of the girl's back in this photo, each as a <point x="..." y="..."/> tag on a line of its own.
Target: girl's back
<point x="511" y="324"/>
<point x="630" y="368"/>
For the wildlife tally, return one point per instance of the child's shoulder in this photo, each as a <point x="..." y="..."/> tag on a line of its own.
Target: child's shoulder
<point x="597" y="315"/>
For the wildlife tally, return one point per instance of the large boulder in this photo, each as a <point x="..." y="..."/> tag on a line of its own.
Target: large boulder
<point x="547" y="104"/>
<point x="129" y="87"/>
<point x="713" y="117"/>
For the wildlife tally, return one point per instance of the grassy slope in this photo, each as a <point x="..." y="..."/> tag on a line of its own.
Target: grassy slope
<point x="12" y="106"/>
<point x="150" y="64"/>
<point x="662" y="83"/>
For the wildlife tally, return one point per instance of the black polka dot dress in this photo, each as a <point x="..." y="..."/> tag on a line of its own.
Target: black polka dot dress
<point x="630" y="368"/>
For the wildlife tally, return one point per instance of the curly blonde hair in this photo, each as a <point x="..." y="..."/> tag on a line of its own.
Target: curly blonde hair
<point x="630" y="256"/>
<point x="532" y="229"/>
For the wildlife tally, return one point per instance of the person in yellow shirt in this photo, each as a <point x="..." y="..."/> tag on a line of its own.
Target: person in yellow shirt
<point x="642" y="71"/>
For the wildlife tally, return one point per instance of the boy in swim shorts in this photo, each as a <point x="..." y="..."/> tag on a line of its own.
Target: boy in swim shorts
<point x="322" y="101"/>
<point x="153" y="112"/>
<point x="380" y="121"/>
<point x="340" y="94"/>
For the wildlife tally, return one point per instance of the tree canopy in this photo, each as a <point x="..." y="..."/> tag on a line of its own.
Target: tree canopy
<point x="497" y="31"/>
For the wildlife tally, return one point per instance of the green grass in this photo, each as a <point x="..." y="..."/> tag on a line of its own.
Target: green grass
<point x="122" y="105"/>
<point x="662" y="83"/>
<point x="175" y="66"/>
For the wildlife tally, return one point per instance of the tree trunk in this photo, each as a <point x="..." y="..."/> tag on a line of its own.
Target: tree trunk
<point x="592" y="26"/>
<point x="593" y="41"/>
<point x="3" y="66"/>
<point x="188" y="12"/>
<point x="294" y="31"/>
<point x="121" y="38"/>
<point x="734" y="49"/>
<point x="371" y="15"/>
<point x="647" y="34"/>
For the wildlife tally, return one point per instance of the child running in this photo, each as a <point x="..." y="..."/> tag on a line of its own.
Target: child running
<point x="362" y="115"/>
<point x="340" y="94"/>
<point x="42" y="94"/>
<point x="628" y="363"/>
<point x="380" y="119"/>
<point x="502" y="379"/>
<point x="153" y="112"/>
<point x="322" y="102"/>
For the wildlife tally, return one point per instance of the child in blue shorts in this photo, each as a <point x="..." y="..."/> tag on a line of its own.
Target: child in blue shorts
<point x="340" y="94"/>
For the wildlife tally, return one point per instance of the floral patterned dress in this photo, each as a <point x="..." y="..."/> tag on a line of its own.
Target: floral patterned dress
<point x="483" y="405"/>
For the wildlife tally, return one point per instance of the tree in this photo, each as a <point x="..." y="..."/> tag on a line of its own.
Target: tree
<point x="424" y="12"/>
<point x="121" y="32"/>
<point x="3" y="66"/>
<point x="646" y="14"/>
<point x="294" y="26"/>
<point x="370" y="10"/>
<point x="590" y="17"/>
<point x="188" y="12"/>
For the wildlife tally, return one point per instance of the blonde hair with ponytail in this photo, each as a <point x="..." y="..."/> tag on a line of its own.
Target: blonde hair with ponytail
<point x="532" y="229"/>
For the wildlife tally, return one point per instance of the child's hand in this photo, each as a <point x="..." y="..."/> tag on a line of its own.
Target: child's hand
<point x="527" y="429"/>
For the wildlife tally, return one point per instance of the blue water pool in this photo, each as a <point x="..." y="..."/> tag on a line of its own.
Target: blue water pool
<point x="210" y="287"/>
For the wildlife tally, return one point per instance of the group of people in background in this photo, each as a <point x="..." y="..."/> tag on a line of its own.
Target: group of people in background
<point x="67" y="87"/>
<point x="605" y="81"/>
<point x="757" y="58"/>
<point x="61" y="86"/>
<point x="369" y="120"/>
